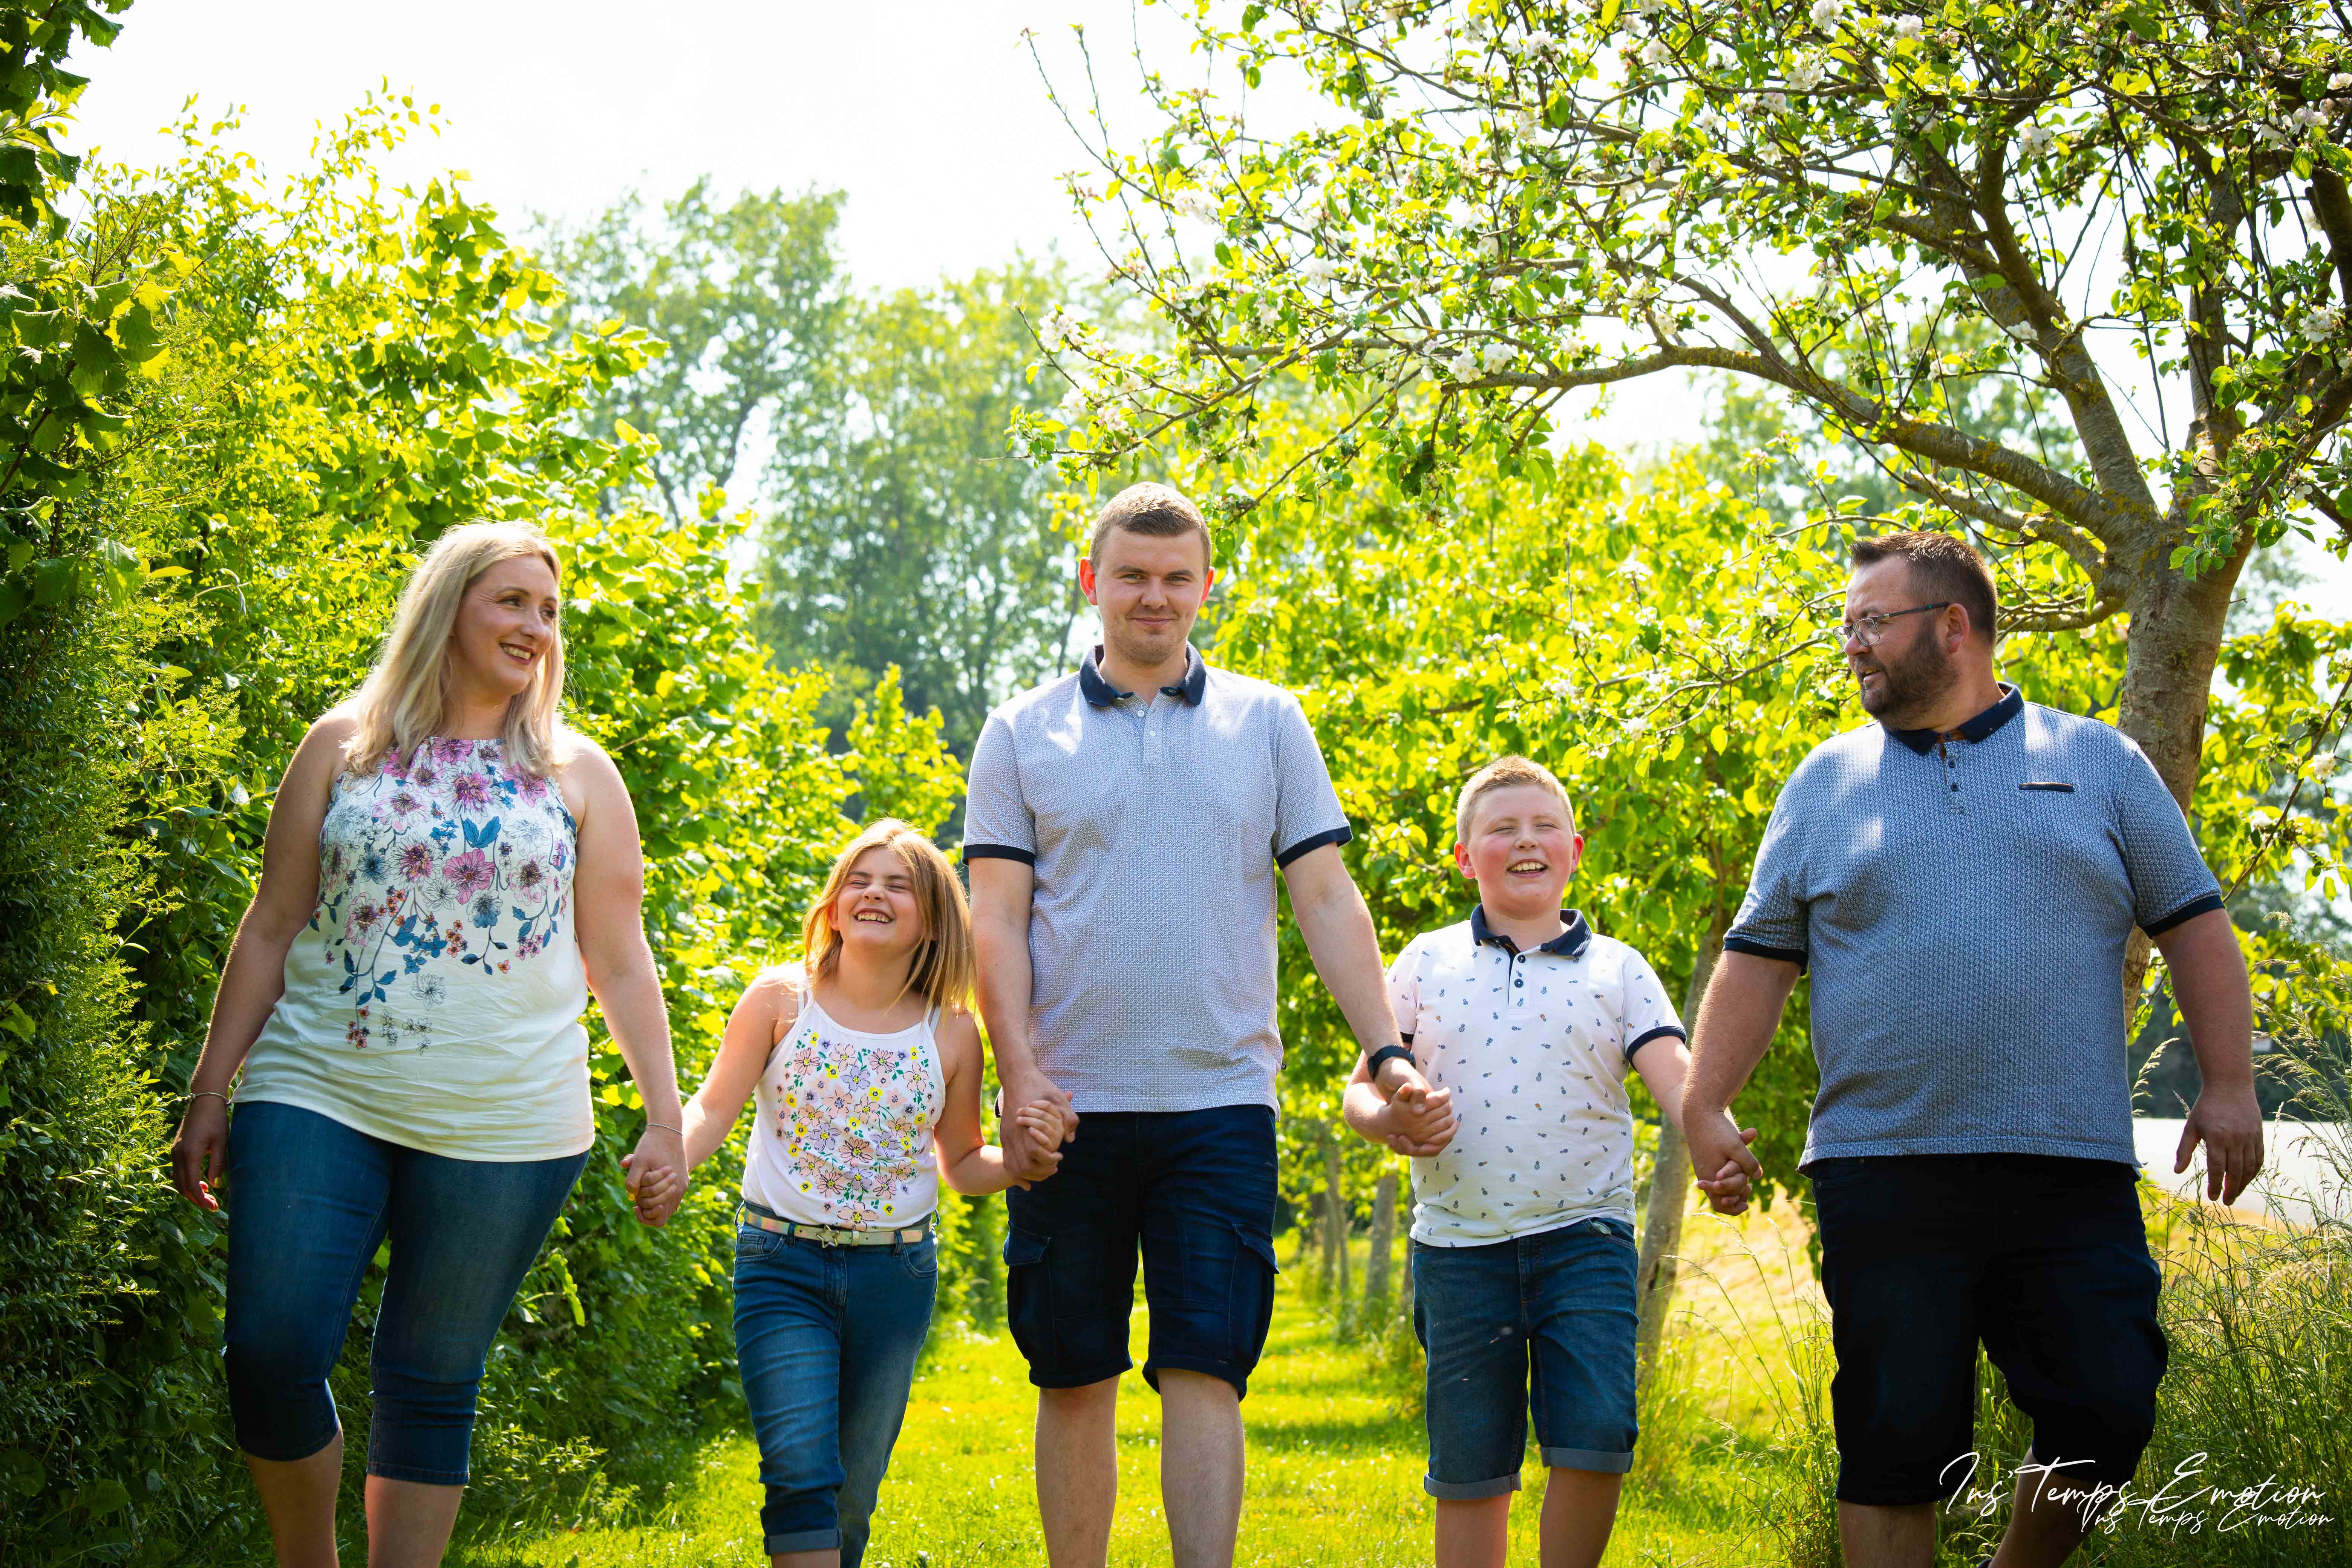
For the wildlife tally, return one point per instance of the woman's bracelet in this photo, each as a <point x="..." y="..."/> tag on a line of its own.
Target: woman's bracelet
<point x="195" y="1095"/>
<point x="651" y="1124"/>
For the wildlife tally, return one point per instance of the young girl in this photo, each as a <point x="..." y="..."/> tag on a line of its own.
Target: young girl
<point x="866" y="1062"/>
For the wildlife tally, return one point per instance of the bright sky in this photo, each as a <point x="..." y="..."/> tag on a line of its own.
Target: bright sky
<point x="930" y="113"/>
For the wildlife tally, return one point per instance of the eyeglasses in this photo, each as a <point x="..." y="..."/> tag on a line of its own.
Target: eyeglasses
<point x="1867" y="629"/>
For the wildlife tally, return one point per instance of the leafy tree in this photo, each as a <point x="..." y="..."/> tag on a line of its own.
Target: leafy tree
<point x="747" y="301"/>
<point x="902" y="534"/>
<point x="2136" y="208"/>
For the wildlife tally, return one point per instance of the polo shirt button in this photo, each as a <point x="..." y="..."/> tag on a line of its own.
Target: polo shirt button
<point x="1518" y="982"/>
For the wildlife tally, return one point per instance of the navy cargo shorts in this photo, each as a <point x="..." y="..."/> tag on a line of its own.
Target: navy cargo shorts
<point x="2041" y="1258"/>
<point x="1195" y="1191"/>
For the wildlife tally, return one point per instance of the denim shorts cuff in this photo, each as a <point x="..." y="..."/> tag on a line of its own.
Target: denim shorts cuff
<point x="1600" y="1459"/>
<point x="1470" y="1491"/>
<point x="299" y="1450"/>
<point x="419" y="1476"/>
<point x="1063" y="1379"/>
<point x="1237" y="1376"/>
<point x="802" y="1541"/>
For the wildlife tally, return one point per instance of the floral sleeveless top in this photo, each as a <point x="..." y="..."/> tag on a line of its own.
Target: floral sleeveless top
<point x="435" y="998"/>
<point x="844" y="1134"/>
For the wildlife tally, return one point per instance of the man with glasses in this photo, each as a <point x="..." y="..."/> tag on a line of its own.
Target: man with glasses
<point x="1962" y="878"/>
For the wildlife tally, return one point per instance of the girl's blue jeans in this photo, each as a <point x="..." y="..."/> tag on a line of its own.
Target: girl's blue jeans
<point x="309" y="1202"/>
<point x="826" y="1337"/>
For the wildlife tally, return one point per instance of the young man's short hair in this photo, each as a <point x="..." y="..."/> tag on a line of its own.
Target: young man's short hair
<point x="1160" y="511"/>
<point x="1942" y="568"/>
<point x="1508" y="773"/>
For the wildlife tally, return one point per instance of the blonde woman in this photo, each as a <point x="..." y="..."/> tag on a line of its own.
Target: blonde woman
<point x="865" y="1062"/>
<point x="448" y="872"/>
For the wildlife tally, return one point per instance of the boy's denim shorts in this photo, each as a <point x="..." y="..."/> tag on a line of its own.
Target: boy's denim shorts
<point x="1194" y="1192"/>
<point x="1540" y="1324"/>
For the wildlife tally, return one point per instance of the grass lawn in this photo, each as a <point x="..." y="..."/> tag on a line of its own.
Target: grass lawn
<point x="1336" y="1451"/>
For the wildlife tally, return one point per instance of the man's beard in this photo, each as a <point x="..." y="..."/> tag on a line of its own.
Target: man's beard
<point x="1913" y="683"/>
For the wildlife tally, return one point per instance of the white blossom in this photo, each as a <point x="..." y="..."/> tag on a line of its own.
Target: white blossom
<point x="2269" y="135"/>
<point x="1806" y="73"/>
<point x="2022" y="331"/>
<point x="2311" y="117"/>
<point x="1711" y="125"/>
<point x="1826" y="13"/>
<point x="1497" y="356"/>
<point x="2034" y="140"/>
<point x="1909" y="28"/>
<point x="2320" y="321"/>
<point x="1527" y="124"/>
<point x="1195" y="205"/>
<point x="1318" y="268"/>
<point x="1775" y="102"/>
<point x="1561" y="687"/>
<point x="1463" y="366"/>
<point x="1633" y="566"/>
<point x="1656" y="53"/>
<point x="2339" y="81"/>
<point x="1648" y="7"/>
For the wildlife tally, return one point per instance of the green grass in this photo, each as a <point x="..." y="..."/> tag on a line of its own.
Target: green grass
<point x="1335" y="1458"/>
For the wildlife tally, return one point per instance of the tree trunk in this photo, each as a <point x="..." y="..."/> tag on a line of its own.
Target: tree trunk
<point x="1670" y="1178"/>
<point x="2175" y="640"/>
<point x="1336" y="1211"/>
<point x="1383" y="1243"/>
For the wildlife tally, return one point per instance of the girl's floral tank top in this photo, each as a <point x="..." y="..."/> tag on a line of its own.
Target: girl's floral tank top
<point x="844" y="1134"/>
<point x="440" y="968"/>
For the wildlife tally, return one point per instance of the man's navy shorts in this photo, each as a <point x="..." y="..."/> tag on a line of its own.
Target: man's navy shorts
<point x="1195" y="1191"/>
<point x="2043" y="1259"/>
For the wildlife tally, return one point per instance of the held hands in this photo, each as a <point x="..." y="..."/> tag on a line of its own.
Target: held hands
<point x="655" y="1173"/>
<point x="1036" y="1121"/>
<point x="199" y="1149"/>
<point x="1721" y="1159"/>
<point x="1418" y="1120"/>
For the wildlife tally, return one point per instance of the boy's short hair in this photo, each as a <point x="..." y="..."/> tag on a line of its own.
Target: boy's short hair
<point x="1160" y="511"/>
<point x="1508" y="773"/>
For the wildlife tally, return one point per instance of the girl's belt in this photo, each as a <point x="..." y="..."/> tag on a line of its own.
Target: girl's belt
<point x="752" y="1214"/>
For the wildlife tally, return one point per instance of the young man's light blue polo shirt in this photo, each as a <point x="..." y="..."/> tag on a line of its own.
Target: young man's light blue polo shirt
<point x="1155" y="826"/>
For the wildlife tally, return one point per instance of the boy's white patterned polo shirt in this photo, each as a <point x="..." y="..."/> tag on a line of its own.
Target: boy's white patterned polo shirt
<point x="1535" y="1046"/>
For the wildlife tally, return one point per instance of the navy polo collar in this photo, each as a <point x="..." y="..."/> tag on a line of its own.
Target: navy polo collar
<point x="1101" y="693"/>
<point x="2012" y="703"/>
<point x="1570" y="943"/>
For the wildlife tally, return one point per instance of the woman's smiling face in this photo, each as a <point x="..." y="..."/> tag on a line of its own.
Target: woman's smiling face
<point x="876" y="910"/>
<point x="505" y="624"/>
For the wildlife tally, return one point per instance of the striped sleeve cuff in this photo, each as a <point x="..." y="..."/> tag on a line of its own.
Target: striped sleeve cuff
<point x="2203" y="904"/>
<point x="1339" y="834"/>
<point x="1662" y="1032"/>
<point x="998" y="852"/>
<point x="1795" y="956"/>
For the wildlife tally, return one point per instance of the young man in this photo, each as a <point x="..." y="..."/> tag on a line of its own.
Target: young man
<point x="1523" y="1223"/>
<point x="1123" y="829"/>
<point x="1962" y="876"/>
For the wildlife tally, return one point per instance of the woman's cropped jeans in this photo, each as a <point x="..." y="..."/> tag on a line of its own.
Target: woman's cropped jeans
<point x="309" y="1202"/>
<point x="827" y="1337"/>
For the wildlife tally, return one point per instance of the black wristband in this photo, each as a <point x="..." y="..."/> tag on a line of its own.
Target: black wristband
<point x="1388" y="1053"/>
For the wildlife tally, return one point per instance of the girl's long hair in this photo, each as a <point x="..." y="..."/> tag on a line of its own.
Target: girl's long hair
<point x="943" y="967"/>
<point x="405" y="699"/>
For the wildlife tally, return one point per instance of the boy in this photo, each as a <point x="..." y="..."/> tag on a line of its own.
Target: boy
<point x="1524" y="1020"/>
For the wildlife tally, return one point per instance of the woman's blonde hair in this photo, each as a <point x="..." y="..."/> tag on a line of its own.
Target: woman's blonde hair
<point x="944" y="965"/>
<point x="404" y="700"/>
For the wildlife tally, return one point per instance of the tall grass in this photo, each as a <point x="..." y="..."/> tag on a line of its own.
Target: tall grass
<point x="2254" y="1404"/>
